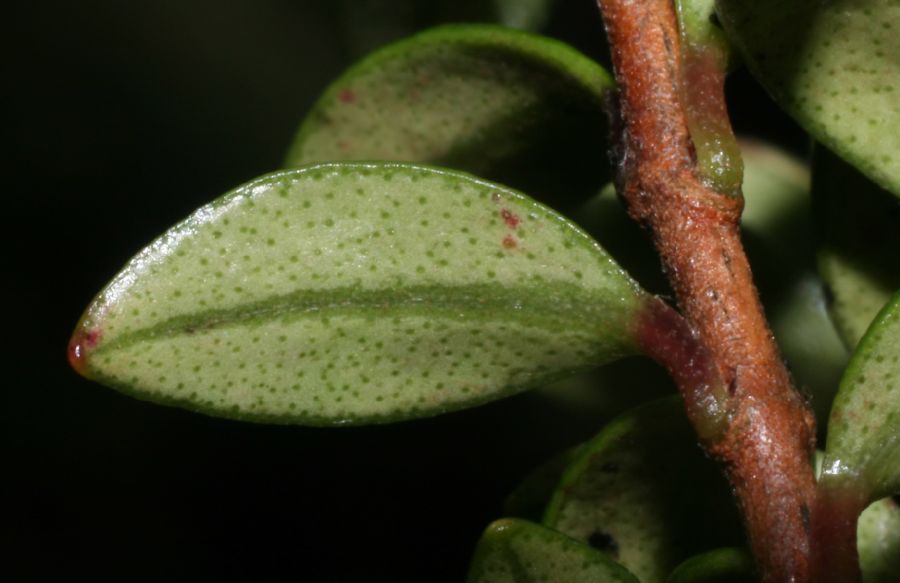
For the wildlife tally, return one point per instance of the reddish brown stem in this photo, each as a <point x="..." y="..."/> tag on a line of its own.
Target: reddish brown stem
<point x="767" y="441"/>
<point x="833" y="523"/>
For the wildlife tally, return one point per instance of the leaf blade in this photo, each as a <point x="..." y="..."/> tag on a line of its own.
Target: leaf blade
<point x="434" y="290"/>
<point x="831" y="66"/>
<point x="506" y="105"/>
<point x="863" y="448"/>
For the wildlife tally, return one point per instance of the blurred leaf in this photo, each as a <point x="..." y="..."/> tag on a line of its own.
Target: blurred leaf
<point x="506" y="105"/>
<point x="518" y="551"/>
<point x="863" y="448"/>
<point x="833" y="66"/>
<point x="355" y="293"/>
<point x="859" y="241"/>
<point x="643" y="492"/>
<point x="529" y="499"/>
<point x="728" y="565"/>
<point x="878" y="541"/>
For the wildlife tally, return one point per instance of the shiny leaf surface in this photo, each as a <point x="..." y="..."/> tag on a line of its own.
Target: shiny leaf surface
<point x="356" y="293"/>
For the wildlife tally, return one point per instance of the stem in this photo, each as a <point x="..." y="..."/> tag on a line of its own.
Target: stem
<point x="833" y="524"/>
<point x="768" y="439"/>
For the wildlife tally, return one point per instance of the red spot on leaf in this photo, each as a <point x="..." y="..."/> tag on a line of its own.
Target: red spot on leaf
<point x="512" y="221"/>
<point x="81" y="343"/>
<point x="509" y="242"/>
<point x="346" y="96"/>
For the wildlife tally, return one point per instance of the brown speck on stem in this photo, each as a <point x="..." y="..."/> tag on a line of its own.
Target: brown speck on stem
<point x="767" y="433"/>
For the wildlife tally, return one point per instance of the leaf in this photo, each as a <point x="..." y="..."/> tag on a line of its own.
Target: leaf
<point x="878" y="541"/>
<point x="833" y="67"/>
<point x="530" y="497"/>
<point x="643" y="492"/>
<point x="506" y="105"/>
<point x="728" y="565"/>
<point x="518" y="551"/>
<point x="357" y="293"/>
<point x="863" y="448"/>
<point x="523" y="14"/>
<point x="859" y="241"/>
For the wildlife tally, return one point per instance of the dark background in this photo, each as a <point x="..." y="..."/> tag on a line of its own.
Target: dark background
<point x="121" y="118"/>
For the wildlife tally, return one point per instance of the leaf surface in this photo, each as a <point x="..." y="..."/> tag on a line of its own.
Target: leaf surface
<point x="643" y="492"/>
<point x="518" y="551"/>
<point x="878" y="541"/>
<point x="858" y="243"/>
<point x="506" y="105"/>
<point x="355" y="293"/>
<point x="833" y="66"/>
<point x="863" y="447"/>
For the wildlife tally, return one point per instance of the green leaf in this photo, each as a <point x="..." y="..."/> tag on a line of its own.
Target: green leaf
<point x="506" y="105"/>
<point x="863" y="448"/>
<point x="728" y="565"/>
<point x="643" y="491"/>
<point x="833" y="67"/>
<point x="859" y="241"/>
<point x="357" y="293"/>
<point x="518" y="551"/>
<point x="878" y="541"/>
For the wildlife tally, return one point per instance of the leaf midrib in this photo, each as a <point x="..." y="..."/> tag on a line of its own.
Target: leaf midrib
<point x="560" y="303"/>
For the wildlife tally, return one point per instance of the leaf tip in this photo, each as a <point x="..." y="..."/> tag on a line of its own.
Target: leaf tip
<point x="83" y="341"/>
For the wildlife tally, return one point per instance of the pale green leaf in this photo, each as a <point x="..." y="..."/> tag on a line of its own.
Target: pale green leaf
<point x="833" y="66"/>
<point x="518" y="551"/>
<point x="643" y="491"/>
<point x="863" y="448"/>
<point x="878" y="541"/>
<point x="504" y="104"/>
<point x="859" y="242"/>
<point x="355" y="293"/>
<point x="728" y="565"/>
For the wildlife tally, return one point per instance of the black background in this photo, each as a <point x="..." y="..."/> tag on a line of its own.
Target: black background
<point x="121" y="118"/>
